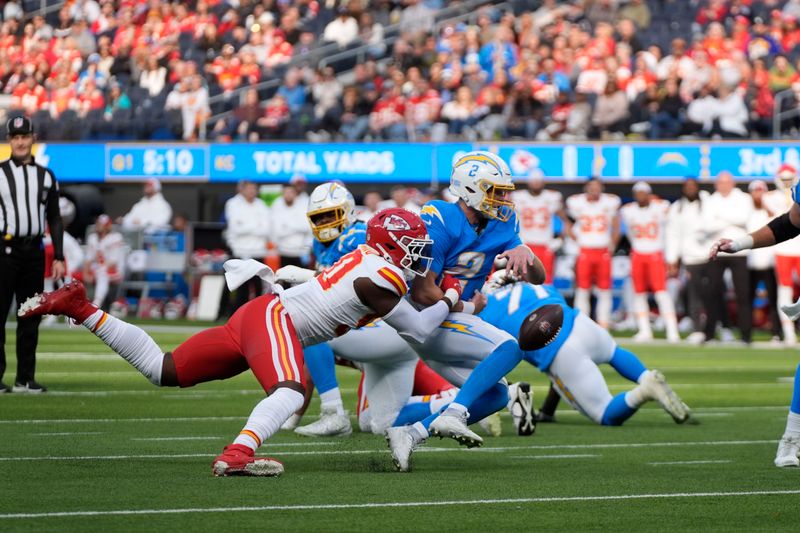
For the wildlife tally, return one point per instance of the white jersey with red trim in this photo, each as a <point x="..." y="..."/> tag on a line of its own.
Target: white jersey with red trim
<point x="777" y="203"/>
<point x="593" y="220"/>
<point x="645" y="226"/>
<point x="535" y="214"/>
<point x="107" y="254"/>
<point x="328" y="306"/>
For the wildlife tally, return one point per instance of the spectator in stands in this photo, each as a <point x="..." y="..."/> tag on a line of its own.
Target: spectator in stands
<point x="191" y="99"/>
<point x="638" y="12"/>
<point x="274" y="119"/>
<point x="342" y="30"/>
<point x="151" y="213"/>
<point x="701" y="113"/>
<point x="701" y="74"/>
<point x="611" y="113"/>
<point x="247" y="233"/>
<point x="371" y="33"/>
<point x="12" y="10"/>
<point x="731" y="115"/>
<point x="354" y="118"/>
<point x="725" y="215"/>
<point x="280" y="52"/>
<point x="325" y="92"/>
<point x="626" y="32"/>
<point x="666" y="121"/>
<point x="499" y="54"/>
<point x="760" y="262"/>
<point x="28" y="97"/>
<point x="781" y="74"/>
<point x="597" y="11"/>
<point x="293" y="90"/>
<point x="104" y="266"/>
<point x="242" y="123"/>
<point x="416" y="18"/>
<point x="678" y="63"/>
<point x="523" y="113"/>
<point x="291" y="232"/>
<point x="90" y="98"/>
<point x="761" y="44"/>
<point x="463" y="113"/>
<point x="422" y="111"/>
<point x="154" y="77"/>
<point x="387" y="119"/>
<point x="792" y="9"/>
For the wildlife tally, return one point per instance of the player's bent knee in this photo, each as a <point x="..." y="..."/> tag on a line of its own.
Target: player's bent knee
<point x="541" y="327"/>
<point x="293" y="385"/>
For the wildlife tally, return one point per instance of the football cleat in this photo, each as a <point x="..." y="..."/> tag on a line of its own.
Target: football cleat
<point x="70" y="300"/>
<point x="520" y="405"/>
<point x="454" y="425"/>
<point x="656" y="388"/>
<point x="788" y="450"/>
<point x="330" y="424"/>
<point x="643" y="336"/>
<point x="238" y="460"/>
<point x="402" y="441"/>
<point x="492" y="425"/>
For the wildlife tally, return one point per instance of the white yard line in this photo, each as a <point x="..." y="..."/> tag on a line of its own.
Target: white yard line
<point x="311" y="444"/>
<point x="67" y="433"/>
<point x="660" y="463"/>
<point x="383" y="505"/>
<point x="562" y="456"/>
<point x="277" y="446"/>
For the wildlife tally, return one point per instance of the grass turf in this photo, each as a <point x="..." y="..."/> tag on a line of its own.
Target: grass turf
<point x="103" y="439"/>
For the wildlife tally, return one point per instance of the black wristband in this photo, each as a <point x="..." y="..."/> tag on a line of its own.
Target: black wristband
<point x="782" y="228"/>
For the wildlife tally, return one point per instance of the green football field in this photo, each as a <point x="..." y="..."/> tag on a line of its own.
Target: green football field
<point x="106" y="451"/>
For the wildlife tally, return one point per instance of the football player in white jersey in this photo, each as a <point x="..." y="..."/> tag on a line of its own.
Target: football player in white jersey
<point x="268" y="333"/>
<point x="787" y="253"/>
<point x="106" y="254"/>
<point x="597" y="231"/>
<point x="645" y="220"/>
<point x="536" y="208"/>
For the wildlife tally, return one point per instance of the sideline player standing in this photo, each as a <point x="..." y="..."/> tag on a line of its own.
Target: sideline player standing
<point x="645" y="220"/>
<point x="787" y="253"/>
<point x="536" y="208"/>
<point x="267" y="334"/>
<point x="596" y="230"/>
<point x="778" y="230"/>
<point x="28" y="200"/>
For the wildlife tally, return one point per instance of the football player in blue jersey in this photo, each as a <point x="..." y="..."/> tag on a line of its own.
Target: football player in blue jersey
<point x="571" y="359"/>
<point x="779" y="229"/>
<point x="467" y="351"/>
<point x="332" y="215"/>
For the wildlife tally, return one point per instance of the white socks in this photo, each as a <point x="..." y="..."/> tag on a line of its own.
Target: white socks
<point x="582" y="302"/>
<point x="435" y="401"/>
<point x="268" y="415"/>
<point x="667" y="310"/>
<point x="785" y="298"/>
<point x="793" y="424"/>
<point x="332" y="400"/>
<point x="641" y="310"/>
<point x="604" y="308"/>
<point x="130" y="342"/>
<point x="101" y="285"/>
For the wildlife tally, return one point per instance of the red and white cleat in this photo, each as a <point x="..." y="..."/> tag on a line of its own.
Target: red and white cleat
<point x="238" y="460"/>
<point x="70" y="300"/>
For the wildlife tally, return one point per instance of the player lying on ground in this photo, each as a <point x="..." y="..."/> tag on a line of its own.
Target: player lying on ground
<point x="268" y="333"/>
<point x="571" y="359"/>
<point x="467" y="238"/>
<point x="780" y="229"/>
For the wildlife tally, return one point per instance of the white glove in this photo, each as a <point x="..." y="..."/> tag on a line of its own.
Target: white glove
<point x="293" y="275"/>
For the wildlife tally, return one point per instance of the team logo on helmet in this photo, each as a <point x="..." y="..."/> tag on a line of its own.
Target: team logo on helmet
<point x="396" y="223"/>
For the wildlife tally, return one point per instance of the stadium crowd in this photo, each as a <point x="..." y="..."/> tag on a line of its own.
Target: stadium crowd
<point x="590" y="69"/>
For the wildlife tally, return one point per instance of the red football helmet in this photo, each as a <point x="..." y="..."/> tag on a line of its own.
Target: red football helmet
<point x="401" y="238"/>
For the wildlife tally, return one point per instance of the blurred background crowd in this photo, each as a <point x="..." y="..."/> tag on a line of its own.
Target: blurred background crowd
<point x="400" y="70"/>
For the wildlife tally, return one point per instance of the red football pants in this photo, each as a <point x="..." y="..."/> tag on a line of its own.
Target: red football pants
<point x="259" y="336"/>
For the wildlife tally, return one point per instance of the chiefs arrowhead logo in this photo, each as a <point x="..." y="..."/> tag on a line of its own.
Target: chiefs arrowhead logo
<point x="396" y="223"/>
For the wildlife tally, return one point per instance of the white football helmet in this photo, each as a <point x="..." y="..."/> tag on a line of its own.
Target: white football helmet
<point x="331" y="209"/>
<point x="483" y="181"/>
<point x="786" y="178"/>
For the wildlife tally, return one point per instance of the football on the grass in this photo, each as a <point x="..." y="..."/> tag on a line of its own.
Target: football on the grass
<point x="540" y="327"/>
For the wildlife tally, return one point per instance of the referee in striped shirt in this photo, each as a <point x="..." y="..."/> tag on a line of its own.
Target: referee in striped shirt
<point x="28" y="200"/>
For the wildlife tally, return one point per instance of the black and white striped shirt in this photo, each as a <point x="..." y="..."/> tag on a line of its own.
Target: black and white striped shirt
<point x="29" y="201"/>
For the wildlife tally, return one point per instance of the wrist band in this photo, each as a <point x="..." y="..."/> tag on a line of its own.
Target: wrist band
<point x="742" y="243"/>
<point x="468" y="307"/>
<point x="452" y="297"/>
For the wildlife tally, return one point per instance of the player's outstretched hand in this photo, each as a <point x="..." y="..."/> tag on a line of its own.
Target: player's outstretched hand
<point x="293" y="275"/>
<point x="479" y="301"/>
<point x="519" y="259"/>
<point x="722" y="245"/>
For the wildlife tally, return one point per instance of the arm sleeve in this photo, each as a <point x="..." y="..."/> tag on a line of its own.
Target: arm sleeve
<point x="416" y="326"/>
<point x="53" y="214"/>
